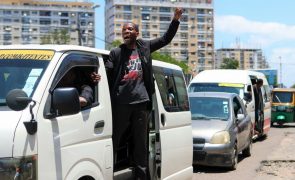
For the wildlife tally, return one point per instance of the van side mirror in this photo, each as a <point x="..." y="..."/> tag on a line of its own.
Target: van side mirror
<point x="240" y="117"/>
<point x="247" y="96"/>
<point x="65" y="101"/>
<point x="17" y="99"/>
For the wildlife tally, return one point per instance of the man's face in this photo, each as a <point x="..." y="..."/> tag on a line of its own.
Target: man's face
<point x="129" y="33"/>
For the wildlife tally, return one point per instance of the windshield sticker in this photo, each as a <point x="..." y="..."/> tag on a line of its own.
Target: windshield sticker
<point x="35" y="72"/>
<point x="231" y="85"/>
<point x="26" y="54"/>
<point x="225" y="109"/>
<point x="30" y="83"/>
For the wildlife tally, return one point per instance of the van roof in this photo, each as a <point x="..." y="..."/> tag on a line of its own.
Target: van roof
<point x="283" y="90"/>
<point x="225" y="75"/>
<point x="167" y="65"/>
<point x="57" y="48"/>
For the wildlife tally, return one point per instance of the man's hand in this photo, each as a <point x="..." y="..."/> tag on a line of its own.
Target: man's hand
<point x="95" y="77"/>
<point x="177" y="13"/>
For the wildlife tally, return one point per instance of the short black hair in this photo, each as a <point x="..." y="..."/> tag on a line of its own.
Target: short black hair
<point x="134" y="25"/>
<point x="259" y="81"/>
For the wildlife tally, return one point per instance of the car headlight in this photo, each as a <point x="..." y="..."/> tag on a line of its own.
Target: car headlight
<point x="18" y="168"/>
<point x="221" y="137"/>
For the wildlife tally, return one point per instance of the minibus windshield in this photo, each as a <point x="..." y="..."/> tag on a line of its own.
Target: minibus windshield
<point x="21" y="71"/>
<point x="217" y="87"/>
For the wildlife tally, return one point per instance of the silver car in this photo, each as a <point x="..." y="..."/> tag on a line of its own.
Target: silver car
<point x="221" y="129"/>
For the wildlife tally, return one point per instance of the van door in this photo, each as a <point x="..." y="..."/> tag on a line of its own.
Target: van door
<point x="77" y="145"/>
<point x="174" y="156"/>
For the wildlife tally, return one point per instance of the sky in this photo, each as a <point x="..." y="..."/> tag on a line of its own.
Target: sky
<point x="265" y="24"/>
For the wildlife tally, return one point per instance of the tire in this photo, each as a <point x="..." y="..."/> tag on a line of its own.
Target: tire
<point x="248" y="150"/>
<point x="234" y="158"/>
<point x="271" y="124"/>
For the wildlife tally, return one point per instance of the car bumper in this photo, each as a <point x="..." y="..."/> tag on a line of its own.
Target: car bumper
<point x="213" y="155"/>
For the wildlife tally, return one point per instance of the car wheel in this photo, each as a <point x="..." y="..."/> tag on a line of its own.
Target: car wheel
<point x="247" y="152"/>
<point x="234" y="159"/>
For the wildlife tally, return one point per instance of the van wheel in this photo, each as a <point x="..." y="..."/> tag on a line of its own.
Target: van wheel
<point x="234" y="159"/>
<point x="247" y="152"/>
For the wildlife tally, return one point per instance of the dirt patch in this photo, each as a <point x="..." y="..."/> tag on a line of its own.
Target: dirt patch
<point x="277" y="169"/>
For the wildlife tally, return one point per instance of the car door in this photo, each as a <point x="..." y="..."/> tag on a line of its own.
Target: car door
<point x="173" y="123"/>
<point x="72" y="146"/>
<point x="242" y="125"/>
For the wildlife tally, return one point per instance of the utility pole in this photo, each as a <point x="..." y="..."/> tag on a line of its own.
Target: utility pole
<point x="281" y="80"/>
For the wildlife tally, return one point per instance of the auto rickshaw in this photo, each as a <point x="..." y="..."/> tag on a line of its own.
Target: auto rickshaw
<point x="283" y="106"/>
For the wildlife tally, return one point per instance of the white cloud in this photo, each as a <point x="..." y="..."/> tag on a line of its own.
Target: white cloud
<point x="275" y="39"/>
<point x="260" y="33"/>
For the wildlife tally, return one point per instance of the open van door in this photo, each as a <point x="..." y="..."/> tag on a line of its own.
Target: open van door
<point x="174" y="143"/>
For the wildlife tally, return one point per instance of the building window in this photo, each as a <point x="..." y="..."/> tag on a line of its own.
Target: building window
<point x="45" y="21"/>
<point x="127" y="8"/>
<point x="145" y="17"/>
<point x="127" y="16"/>
<point x="165" y="18"/>
<point x="45" y="13"/>
<point x="165" y="9"/>
<point x="64" y="22"/>
<point x="146" y="9"/>
<point x="7" y="12"/>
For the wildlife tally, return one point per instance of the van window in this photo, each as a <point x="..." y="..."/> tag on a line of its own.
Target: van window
<point x="172" y="89"/>
<point x="80" y="66"/>
<point x="237" y="106"/>
<point x="267" y="94"/>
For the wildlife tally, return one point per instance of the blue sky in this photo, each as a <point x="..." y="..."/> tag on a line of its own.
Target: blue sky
<point x="265" y="24"/>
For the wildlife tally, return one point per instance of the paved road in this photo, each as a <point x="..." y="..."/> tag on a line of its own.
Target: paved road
<point x="272" y="159"/>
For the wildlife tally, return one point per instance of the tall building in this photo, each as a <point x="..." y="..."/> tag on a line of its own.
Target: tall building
<point x="247" y="58"/>
<point x="30" y="21"/>
<point x="194" y="41"/>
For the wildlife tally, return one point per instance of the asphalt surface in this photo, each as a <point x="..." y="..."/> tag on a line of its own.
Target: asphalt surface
<point x="273" y="158"/>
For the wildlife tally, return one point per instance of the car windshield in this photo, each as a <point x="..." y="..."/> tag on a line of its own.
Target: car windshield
<point x="282" y="97"/>
<point x="23" y="72"/>
<point x="217" y="87"/>
<point x="209" y="108"/>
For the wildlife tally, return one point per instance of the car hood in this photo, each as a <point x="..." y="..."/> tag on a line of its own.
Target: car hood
<point x="207" y="128"/>
<point x="8" y="122"/>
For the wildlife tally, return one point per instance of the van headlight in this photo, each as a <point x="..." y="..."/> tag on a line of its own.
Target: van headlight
<point x="18" y="168"/>
<point x="221" y="137"/>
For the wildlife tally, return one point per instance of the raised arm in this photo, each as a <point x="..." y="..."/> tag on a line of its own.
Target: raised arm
<point x="160" y="42"/>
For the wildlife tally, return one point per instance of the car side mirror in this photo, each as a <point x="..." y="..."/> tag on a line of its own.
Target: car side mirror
<point x="65" y="101"/>
<point x="17" y="99"/>
<point x="240" y="117"/>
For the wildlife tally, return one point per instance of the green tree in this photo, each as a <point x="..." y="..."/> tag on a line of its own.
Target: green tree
<point x="167" y="58"/>
<point x="229" y="63"/>
<point x="114" y="44"/>
<point x="60" y="36"/>
<point x="293" y="86"/>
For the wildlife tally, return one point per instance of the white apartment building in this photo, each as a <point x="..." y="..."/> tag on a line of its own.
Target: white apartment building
<point x="247" y="58"/>
<point x="194" y="41"/>
<point x="27" y="21"/>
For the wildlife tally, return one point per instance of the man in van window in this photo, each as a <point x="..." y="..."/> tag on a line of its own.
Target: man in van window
<point x="73" y="79"/>
<point x="259" y="104"/>
<point x="131" y="83"/>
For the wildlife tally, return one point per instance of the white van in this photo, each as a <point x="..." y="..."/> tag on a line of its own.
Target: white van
<point x="235" y="81"/>
<point x="48" y="135"/>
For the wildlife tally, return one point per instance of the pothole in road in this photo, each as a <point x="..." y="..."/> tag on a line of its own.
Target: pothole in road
<point x="282" y="169"/>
